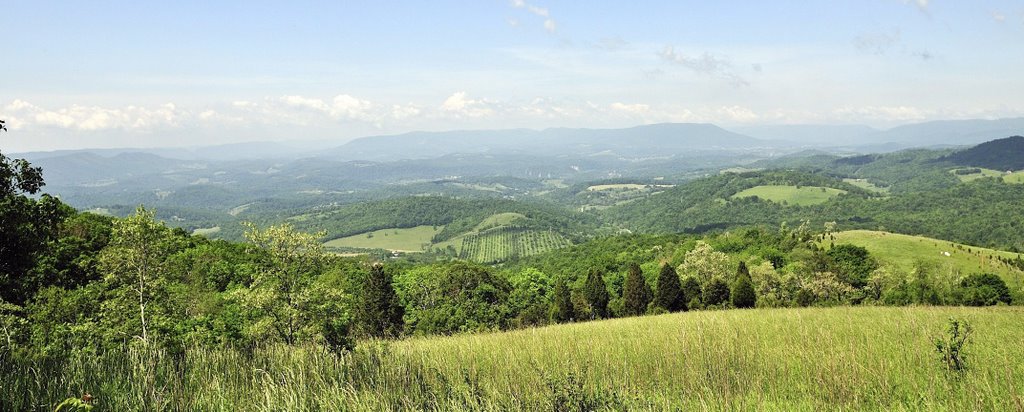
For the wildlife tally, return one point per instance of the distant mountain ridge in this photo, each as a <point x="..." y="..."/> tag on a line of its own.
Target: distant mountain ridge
<point x="1000" y="154"/>
<point x="664" y="139"/>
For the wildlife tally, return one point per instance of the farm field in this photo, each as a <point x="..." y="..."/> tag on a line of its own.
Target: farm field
<point x="905" y="251"/>
<point x="626" y="186"/>
<point x="793" y="195"/>
<point x="506" y="242"/>
<point x="845" y="358"/>
<point x="414" y="239"/>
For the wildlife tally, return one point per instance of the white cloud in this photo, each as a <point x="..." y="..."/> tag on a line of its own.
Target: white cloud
<point x="998" y="17"/>
<point x="921" y="4"/>
<point x="22" y="114"/>
<point x="460" y="105"/>
<point x="549" y="24"/>
<point x="636" y="108"/>
<point x="705" y="63"/>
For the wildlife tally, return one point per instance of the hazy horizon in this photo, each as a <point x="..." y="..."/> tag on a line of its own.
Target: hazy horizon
<point x="185" y="75"/>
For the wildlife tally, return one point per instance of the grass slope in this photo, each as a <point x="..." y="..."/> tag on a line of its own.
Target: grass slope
<point x="414" y="239"/>
<point x="793" y="195"/>
<point x="848" y="358"/>
<point x="905" y="250"/>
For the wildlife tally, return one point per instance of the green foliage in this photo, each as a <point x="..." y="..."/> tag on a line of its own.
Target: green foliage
<point x="853" y="264"/>
<point x="635" y="292"/>
<point x="951" y="346"/>
<point x="716" y="292"/>
<point x="454" y="297"/>
<point x="74" y="405"/>
<point x="561" y="303"/>
<point x="596" y="293"/>
<point x="531" y="297"/>
<point x="743" y="295"/>
<point x="379" y="313"/>
<point x="691" y="291"/>
<point x="984" y="289"/>
<point x="668" y="294"/>
<point x="284" y="301"/>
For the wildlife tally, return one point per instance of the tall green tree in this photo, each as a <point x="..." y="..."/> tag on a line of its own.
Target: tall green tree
<point x="284" y="299"/>
<point x="716" y="292"/>
<point x="691" y="292"/>
<point x="635" y="292"/>
<point x="743" y="295"/>
<point x="380" y="313"/>
<point x="596" y="293"/>
<point x="561" y="303"/>
<point x="668" y="294"/>
<point x="134" y="269"/>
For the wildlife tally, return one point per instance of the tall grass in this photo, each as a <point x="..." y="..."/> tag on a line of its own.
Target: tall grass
<point x="788" y="359"/>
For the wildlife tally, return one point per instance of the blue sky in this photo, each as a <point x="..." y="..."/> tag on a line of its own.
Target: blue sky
<point x="144" y="74"/>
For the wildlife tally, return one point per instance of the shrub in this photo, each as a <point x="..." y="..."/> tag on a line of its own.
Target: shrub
<point x="951" y="346"/>
<point x="983" y="290"/>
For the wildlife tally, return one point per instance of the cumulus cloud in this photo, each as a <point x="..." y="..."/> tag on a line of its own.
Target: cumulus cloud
<point x="461" y="105"/>
<point x="549" y="23"/>
<point x="636" y="108"/>
<point x="91" y="118"/>
<point x="705" y="63"/>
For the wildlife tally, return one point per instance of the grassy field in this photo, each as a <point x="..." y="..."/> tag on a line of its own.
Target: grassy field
<point x="626" y="186"/>
<point x="905" y="250"/>
<point x="414" y="239"/>
<point x="1016" y="177"/>
<point x="206" y="231"/>
<point x="864" y="358"/>
<point x="864" y="184"/>
<point x="802" y="196"/>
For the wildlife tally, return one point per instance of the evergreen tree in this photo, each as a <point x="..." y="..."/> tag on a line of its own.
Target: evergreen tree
<point x="561" y="303"/>
<point x="380" y="312"/>
<point x="691" y="291"/>
<point x="596" y="293"/>
<point x="716" y="292"/>
<point x="669" y="296"/>
<point x="635" y="292"/>
<point x="743" y="289"/>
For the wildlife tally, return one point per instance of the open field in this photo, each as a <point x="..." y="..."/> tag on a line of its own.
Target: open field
<point x="503" y="243"/>
<point x="793" y="195"/>
<point x="905" y="250"/>
<point x="414" y="239"/>
<point x="626" y="186"/>
<point x="865" y="358"/>
<point x="1015" y="177"/>
<point x="864" y="184"/>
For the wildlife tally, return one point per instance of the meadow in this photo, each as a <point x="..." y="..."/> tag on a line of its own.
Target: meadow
<point x="414" y="239"/>
<point x="843" y="358"/>
<point x="905" y="251"/>
<point x="792" y="195"/>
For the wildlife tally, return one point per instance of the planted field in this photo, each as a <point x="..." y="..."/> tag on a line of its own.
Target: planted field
<point x="508" y="242"/>
<point x="865" y="358"/>
<point x="627" y="186"/>
<point x="792" y="195"/>
<point x="905" y="251"/>
<point x="414" y="239"/>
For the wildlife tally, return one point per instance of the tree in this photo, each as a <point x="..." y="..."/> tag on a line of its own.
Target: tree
<point x="716" y="292"/>
<point x="705" y="262"/>
<point x="691" y="292"/>
<point x="133" y="265"/>
<point x="596" y="293"/>
<point x="380" y="314"/>
<point x="635" y="292"/>
<point x="743" y="289"/>
<point x="852" y="264"/>
<point x="561" y="303"/>
<point x="284" y="299"/>
<point x="668" y="295"/>
<point x="984" y="289"/>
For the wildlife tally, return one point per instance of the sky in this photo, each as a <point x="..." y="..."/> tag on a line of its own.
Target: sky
<point x="77" y="74"/>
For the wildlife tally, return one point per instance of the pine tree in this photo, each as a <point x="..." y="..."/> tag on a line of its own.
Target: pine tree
<point x="635" y="292"/>
<point x="743" y="289"/>
<point x="380" y="312"/>
<point x="596" y="293"/>
<point x="668" y="295"/>
<point x="561" y="303"/>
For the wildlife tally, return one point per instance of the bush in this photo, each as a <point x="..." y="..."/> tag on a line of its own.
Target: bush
<point x="984" y="289"/>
